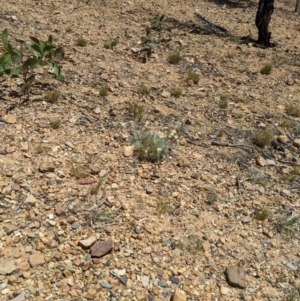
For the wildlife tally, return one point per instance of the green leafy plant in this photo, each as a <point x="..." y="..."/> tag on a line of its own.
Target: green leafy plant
<point x="31" y="55"/>
<point x="266" y="69"/>
<point x="193" y="76"/>
<point x="174" y="58"/>
<point x="81" y="42"/>
<point x="176" y="91"/>
<point x="136" y="110"/>
<point x="263" y="138"/>
<point x="154" y="36"/>
<point x="110" y="44"/>
<point x="150" y="146"/>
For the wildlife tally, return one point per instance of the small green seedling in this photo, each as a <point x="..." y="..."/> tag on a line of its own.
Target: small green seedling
<point x="162" y="206"/>
<point x="176" y="91"/>
<point x="39" y="149"/>
<point x="103" y="91"/>
<point x="52" y="96"/>
<point x="193" y="76"/>
<point x="261" y="214"/>
<point x="143" y="90"/>
<point x="31" y="55"/>
<point x="174" y="58"/>
<point x="223" y="104"/>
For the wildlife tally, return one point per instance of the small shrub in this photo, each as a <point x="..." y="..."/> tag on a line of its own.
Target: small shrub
<point x="285" y="124"/>
<point x="223" y="104"/>
<point x="52" y="96"/>
<point x="81" y="42"/>
<point x="143" y="90"/>
<point x="39" y="149"/>
<point x="110" y="44"/>
<point x="263" y="138"/>
<point x="150" y="146"/>
<point x="136" y="110"/>
<point x="261" y="214"/>
<point x="55" y="124"/>
<point x="293" y="110"/>
<point x="174" y="58"/>
<point x="266" y="69"/>
<point x="78" y="172"/>
<point x="193" y="76"/>
<point x="103" y="91"/>
<point x="162" y="206"/>
<point x="176" y="91"/>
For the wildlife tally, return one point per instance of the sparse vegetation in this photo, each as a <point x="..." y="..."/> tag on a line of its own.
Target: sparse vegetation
<point x="81" y="42"/>
<point x="263" y="138"/>
<point x="143" y="90"/>
<point x="285" y="124"/>
<point x="193" y="76"/>
<point x="266" y="69"/>
<point x="39" y="149"/>
<point x="292" y="175"/>
<point x="111" y="44"/>
<point x="103" y="91"/>
<point x="261" y="214"/>
<point x="55" y="124"/>
<point x="287" y="223"/>
<point x="223" y="104"/>
<point x="78" y="172"/>
<point x="212" y="197"/>
<point x="176" y="91"/>
<point x="162" y="206"/>
<point x="293" y="110"/>
<point x="136" y="110"/>
<point x="293" y="296"/>
<point x="95" y="188"/>
<point x="174" y="58"/>
<point x="52" y="96"/>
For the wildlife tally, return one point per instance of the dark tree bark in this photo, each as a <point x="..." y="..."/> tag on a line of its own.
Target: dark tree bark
<point x="262" y="20"/>
<point x="297" y="8"/>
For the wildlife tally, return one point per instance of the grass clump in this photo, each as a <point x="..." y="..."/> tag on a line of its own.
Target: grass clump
<point x="223" y="104"/>
<point x="266" y="69"/>
<point x="288" y="223"/>
<point x="174" y="58"/>
<point x="293" y="110"/>
<point x="162" y="206"/>
<point x="143" y="90"/>
<point x="110" y="44"/>
<point x="81" y="42"/>
<point x="55" y="124"/>
<point x="176" y="91"/>
<point x="212" y="197"/>
<point x="136" y="110"/>
<point x="285" y="124"/>
<point x="292" y="175"/>
<point x="193" y="76"/>
<point x="78" y="172"/>
<point x="39" y="149"/>
<point x="261" y="214"/>
<point x="150" y="146"/>
<point x="52" y="96"/>
<point x="263" y="138"/>
<point x="95" y="188"/>
<point x="103" y="91"/>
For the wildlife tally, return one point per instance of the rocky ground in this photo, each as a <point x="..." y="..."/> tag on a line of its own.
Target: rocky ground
<point x="217" y="218"/>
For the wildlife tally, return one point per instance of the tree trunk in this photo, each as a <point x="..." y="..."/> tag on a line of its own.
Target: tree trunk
<point x="262" y="20"/>
<point x="297" y="8"/>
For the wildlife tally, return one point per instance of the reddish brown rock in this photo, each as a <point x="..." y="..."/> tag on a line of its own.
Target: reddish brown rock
<point x="100" y="248"/>
<point x="59" y="210"/>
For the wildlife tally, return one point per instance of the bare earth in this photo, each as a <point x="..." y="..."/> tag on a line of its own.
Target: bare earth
<point x="213" y="201"/>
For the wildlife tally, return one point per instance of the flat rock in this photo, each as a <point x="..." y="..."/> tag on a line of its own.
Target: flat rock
<point x="179" y="295"/>
<point x="235" y="276"/>
<point x="128" y="151"/>
<point x="10" y="119"/>
<point x="100" y="248"/>
<point x="7" y="267"/>
<point x="46" y="167"/>
<point x="10" y="229"/>
<point x="260" y="161"/>
<point x="36" y="259"/>
<point x="59" y="210"/>
<point x="86" y="243"/>
<point x="30" y="200"/>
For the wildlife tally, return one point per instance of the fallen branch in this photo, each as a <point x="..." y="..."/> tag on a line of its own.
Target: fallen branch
<point x="211" y="24"/>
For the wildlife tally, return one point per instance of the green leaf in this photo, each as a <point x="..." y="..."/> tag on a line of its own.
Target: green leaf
<point x="15" y="72"/>
<point x="30" y="80"/>
<point x="34" y="48"/>
<point x="50" y="39"/>
<point x="161" y="18"/>
<point x="35" y="40"/>
<point x="33" y="63"/>
<point x="56" y="70"/>
<point x="59" y="52"/>
<point x="156" y="45"/>
<point x="48" y="50"/>
<point x="5" y="38"/>
<point x="5" y="59"/>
